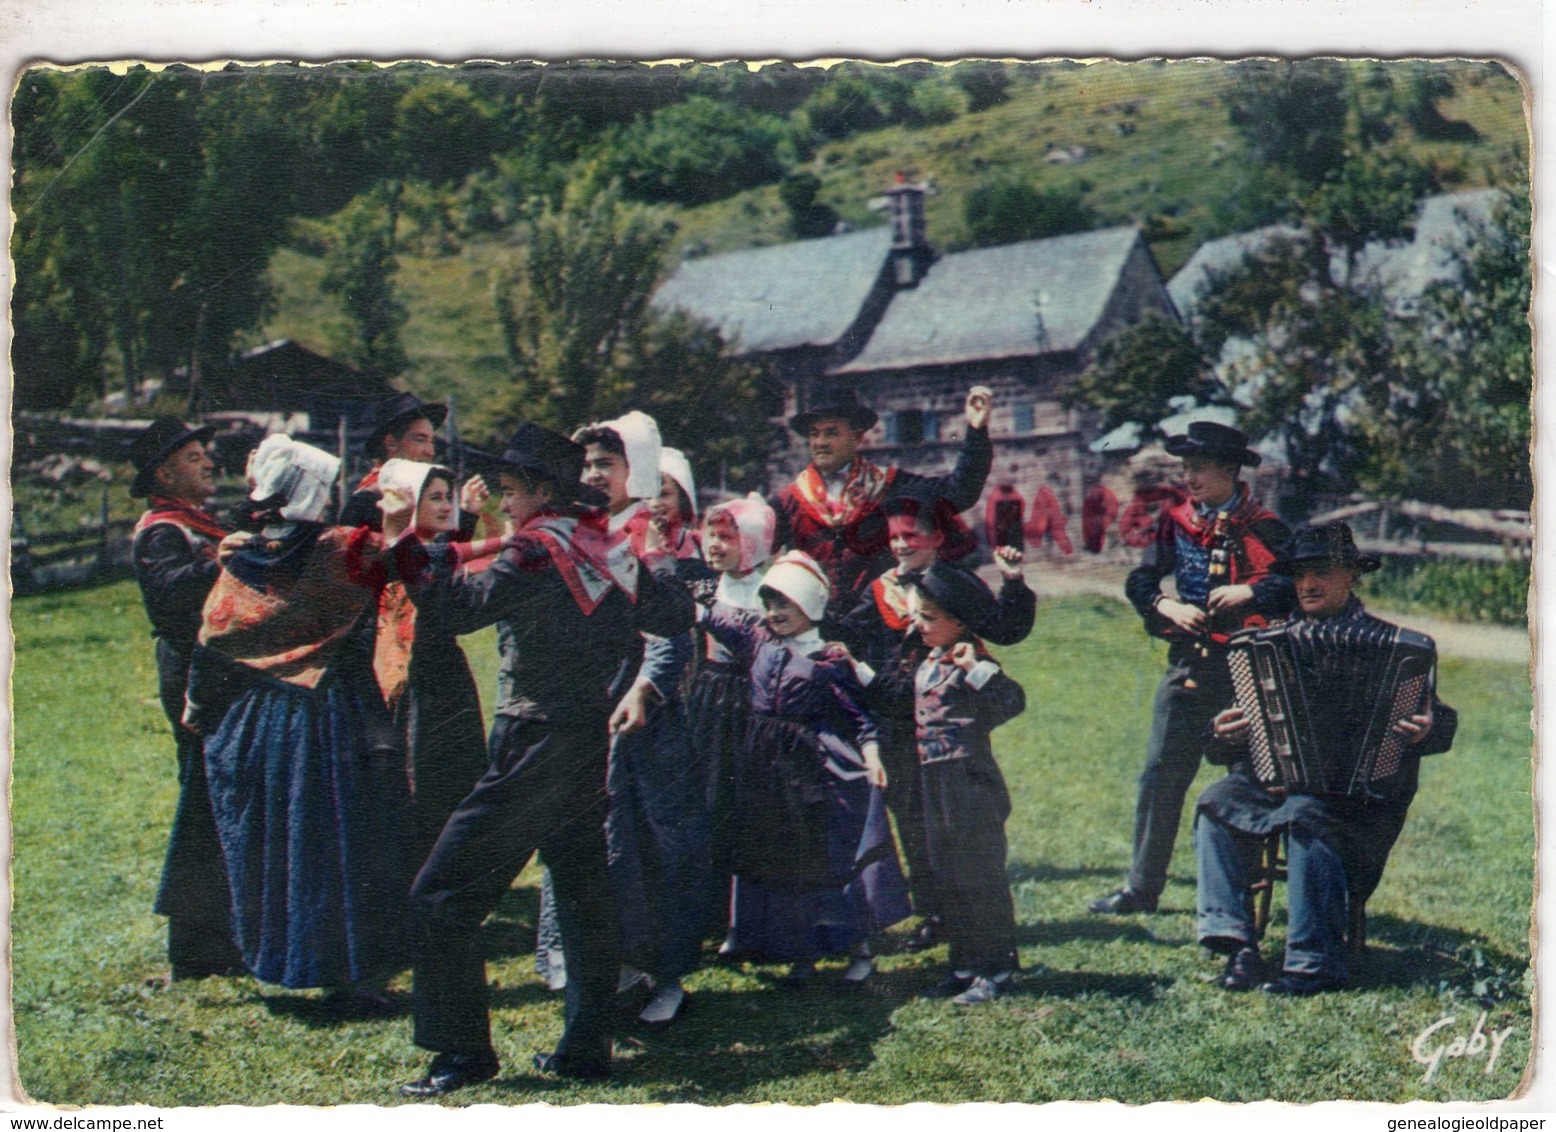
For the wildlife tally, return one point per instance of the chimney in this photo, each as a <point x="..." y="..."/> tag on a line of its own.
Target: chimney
<point x="910" y="253"/>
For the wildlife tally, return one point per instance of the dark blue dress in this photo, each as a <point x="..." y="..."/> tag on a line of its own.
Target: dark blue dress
<point x="814" y="854"/>
<point x="307" y="783"/>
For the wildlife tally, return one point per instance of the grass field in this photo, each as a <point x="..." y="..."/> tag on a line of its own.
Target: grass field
<point x="1107" y="1007"/>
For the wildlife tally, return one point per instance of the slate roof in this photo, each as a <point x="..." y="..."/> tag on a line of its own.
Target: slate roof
<point x="983" y="304"/>
<point x="805" y="293"/>
<point x="1404" y="271"/>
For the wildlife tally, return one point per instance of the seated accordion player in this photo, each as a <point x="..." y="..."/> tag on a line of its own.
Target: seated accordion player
<point x="1323" y="698"/>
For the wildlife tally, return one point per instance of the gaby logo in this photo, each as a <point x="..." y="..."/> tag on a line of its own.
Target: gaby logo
<point x="1430" y="1047"/>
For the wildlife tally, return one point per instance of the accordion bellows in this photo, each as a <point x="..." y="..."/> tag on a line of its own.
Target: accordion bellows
<point x="1323" y="698"/>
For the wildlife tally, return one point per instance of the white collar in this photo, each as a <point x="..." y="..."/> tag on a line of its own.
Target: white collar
<point x="621" y="518"/>
<point x="740" y="592"/>
<point x="805" y="642"/>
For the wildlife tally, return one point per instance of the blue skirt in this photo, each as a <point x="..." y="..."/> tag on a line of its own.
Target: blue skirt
<point x="314" y="823"/>
<point x="850" y="887"/>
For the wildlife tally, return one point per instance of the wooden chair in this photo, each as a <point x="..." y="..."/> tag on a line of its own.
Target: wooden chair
<point x="1272" y="870"/>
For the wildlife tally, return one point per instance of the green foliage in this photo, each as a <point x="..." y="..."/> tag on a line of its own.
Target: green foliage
<point x="1457" y="421"/>
<point x="573" y="305"/>
<point x="697" y="151"/>
<point x="985" y="84"/>
<point x="859" y="97"/>
<point x="936" y="101"/>
<point x="443" y="132"/>
<point x="1292" y="114"/>
<point x="1111" y="1007"/>
<point x="1004" y="211"/>
<point x="807" y="216"/>
<point x="1372" y="197"/>
<point x="1139" y="370"/>
<point x="1491" y="592"/>
<point x="360" y="267"/>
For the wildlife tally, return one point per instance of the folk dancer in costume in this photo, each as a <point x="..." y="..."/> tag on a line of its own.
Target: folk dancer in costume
<point x="1337" y="845"/>
<point x="924" y="529"/>
<point x="816" y="866"/>
<point x="960" y="696"/>
<point x="659" y="831"/>
<point x="1003" y="518"/>
<point x="306" y="775"/>
<point x="405" y="428"/>
<point x="1218" y="528"/>
<point x="422" y="672"/>
<point x="174" y="552"/>
<point x="576" y="603"/>
<point x="832" y="510"/>
<point x="737" y="539"/>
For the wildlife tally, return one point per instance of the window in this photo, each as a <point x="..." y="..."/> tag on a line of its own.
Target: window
<point x="1021" y="418"/>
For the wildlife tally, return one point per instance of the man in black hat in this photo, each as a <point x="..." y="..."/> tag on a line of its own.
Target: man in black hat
<point x="1217" y="545"/>
<point x="406" y="428"/>
<point x="832" y="509"/>
<point x="1337" y="845"/>
<point x="571" y="606"/>
<point x="174" y="554"/>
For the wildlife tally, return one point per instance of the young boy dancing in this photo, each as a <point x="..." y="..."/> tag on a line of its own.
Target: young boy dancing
<point x="960" y="696"/>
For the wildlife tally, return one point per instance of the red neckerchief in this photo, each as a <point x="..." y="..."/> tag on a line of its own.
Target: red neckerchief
<point x="179" y="513"/>
<point x="891" y="601"/>
<point x="862" y="490"/>
<point x="1250" y="559"/>
<point x="369" y="481"/>
<point x="590" y="558"/>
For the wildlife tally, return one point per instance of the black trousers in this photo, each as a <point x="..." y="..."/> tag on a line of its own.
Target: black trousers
<point x="965" y="805"/>
<point x="1180" y="723"/>
<point x="194" y="894"/>
<point x="899" y="755"/>
<point x="544" y="790"/>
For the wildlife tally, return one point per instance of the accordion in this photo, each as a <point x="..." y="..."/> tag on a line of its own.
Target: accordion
<point x="1322" y="698"/>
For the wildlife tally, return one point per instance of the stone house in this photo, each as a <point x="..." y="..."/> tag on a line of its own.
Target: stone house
<point x="912" y="330"/>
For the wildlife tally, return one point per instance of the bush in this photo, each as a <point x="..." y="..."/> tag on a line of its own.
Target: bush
<point x="1493" y="592"/>
<point x="699" y="151"/>
<point x="1005" y="211"/>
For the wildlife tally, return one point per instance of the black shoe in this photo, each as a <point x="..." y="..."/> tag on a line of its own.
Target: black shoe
<point x="450" y="1071"/>
<point x="950" y="986"/>
<point x="1244" y="970"/>
<point x="563" y="1066"/>
<point x="1122" y="902"/>
<point x="927" y="936"/>
<point x="1300" y="984"/>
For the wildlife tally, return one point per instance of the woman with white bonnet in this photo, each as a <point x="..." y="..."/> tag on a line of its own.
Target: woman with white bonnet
<point x="816" y="868"/>
<point x="422" y="672"/>
<point x="737" y="541"/>
<point x="306" y="775"/>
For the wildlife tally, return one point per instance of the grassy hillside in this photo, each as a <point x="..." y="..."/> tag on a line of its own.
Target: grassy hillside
<point x="1119" y="1007"/>
<point x="1158" y="151"/>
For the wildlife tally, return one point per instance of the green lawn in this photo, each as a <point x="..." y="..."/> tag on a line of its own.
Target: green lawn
<point x="1108" y="1007"/>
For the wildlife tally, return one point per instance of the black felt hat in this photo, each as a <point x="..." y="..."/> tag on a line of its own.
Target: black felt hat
<point x="959" y="592"/>
<point x="832" y="403"/>
<point x="163" y="437"/>
<point x="398" y="410"/>
<point x="1214" y="442"/>
<point x="1331" y="544"/>
<point x="543" y="456"/>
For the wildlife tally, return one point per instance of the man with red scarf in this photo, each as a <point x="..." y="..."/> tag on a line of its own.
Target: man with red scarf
<point x="1218" y="518"/>
<point x="174" y="553"/>
<point x="832" y="511"/>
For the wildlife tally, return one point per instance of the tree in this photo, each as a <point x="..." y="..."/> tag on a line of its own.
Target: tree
<point x="584" y="343"/>
<point x="1455" y="427"/>
<point x="698" y="151"/>
<point x="360" y="267"/>
<point x="571" y="309"/>
<point x="1005" y="211"/>
<point x="1292" y="114"/>
<point x="1141" y="369"/>
<point x="807" y="217"/>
